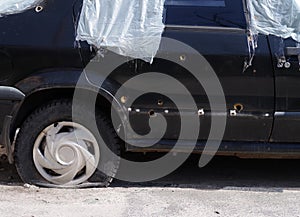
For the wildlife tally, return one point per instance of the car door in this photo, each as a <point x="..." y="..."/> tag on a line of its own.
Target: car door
<point x="287" y="79"/>
<point x="217" y="30"/>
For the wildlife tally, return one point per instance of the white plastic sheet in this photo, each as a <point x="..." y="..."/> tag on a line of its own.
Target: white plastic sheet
<point x="276" y="17"/>
<point x="16" y="6"/>
<point x="130" y="28"/>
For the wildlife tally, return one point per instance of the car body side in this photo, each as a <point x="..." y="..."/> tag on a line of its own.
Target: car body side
<point x="40" y="60"/>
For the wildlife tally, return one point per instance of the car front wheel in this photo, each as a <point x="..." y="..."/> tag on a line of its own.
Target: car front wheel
<point x="52" y="150"/>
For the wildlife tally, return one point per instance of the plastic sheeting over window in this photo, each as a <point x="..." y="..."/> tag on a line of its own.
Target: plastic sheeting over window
<point x="16" y="6"/>
<point x="130" y="28"/>
<point x="276" y="17"/>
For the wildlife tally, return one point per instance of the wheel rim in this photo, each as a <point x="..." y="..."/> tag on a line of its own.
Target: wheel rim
<point x="66" y="153"/>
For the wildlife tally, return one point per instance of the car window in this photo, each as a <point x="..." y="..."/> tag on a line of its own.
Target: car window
<point x="219" y="13"/>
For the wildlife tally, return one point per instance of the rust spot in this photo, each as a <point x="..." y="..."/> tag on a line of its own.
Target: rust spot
<point x="160" y="102"/>
<point x="151" y="113"/>
<point x="238" y="107"/>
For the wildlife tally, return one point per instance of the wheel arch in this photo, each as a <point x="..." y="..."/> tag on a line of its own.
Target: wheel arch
<point x="41" y="96"/>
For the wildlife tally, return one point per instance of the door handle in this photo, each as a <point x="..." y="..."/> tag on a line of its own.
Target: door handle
<point x="292" y="51"/>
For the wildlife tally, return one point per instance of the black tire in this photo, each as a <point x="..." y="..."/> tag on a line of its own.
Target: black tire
<point x="53" y="112"/>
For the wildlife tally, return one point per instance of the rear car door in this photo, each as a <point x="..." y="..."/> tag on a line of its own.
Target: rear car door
<point x="287" y="77"/>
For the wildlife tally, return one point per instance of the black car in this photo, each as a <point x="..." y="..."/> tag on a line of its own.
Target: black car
<point x="41" y="63"/>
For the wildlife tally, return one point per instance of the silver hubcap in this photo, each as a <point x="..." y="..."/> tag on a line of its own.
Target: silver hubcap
<point x="66" y="153"/>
